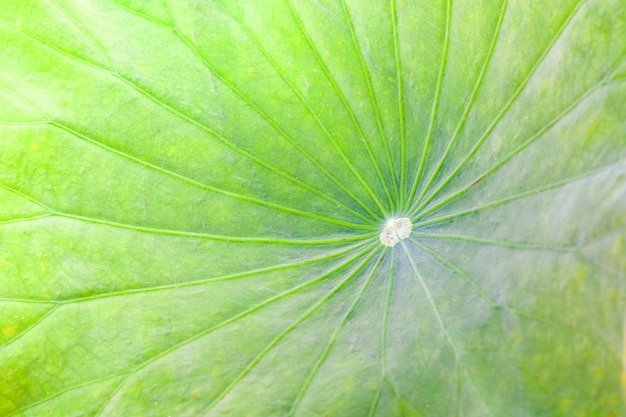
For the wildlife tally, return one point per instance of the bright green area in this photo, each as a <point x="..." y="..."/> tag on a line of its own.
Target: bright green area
<point x="191" y="193"/>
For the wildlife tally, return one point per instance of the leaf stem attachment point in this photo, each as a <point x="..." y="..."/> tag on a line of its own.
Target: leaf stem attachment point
<point x="396" y="229"/>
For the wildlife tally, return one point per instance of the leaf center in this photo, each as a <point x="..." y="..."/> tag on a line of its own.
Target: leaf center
<point x="395" y="230"/>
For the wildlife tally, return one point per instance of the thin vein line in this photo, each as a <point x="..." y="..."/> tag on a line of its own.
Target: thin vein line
<point x="28" y="198"/>
<point x="587" y="259"/>
<point x="216" y="190"/>
<point x="429" y="297"/>
<point x="400" y="92"/>
<point x="433" y="305"/>
<point x="376" y="400"/>
<point x="616" y="81"/>
<point x="307" y="383"/>
<point x="288" y="330"/>
<point x="181" y="233"/>
<point x="477" y="392"/>
<point x="519" y="196"/>
<point x="319" y="122"/>
<point x="228" y="277"/>
<point x="26" y="103"/>
<point x="371" y="93"/>
<point x="494" y="242"/>
<point x="276" y="126"/>
<point x="468" y="106"/>
<point x="464" y="277"/>
<point x="227" y="142"/>
<point x="224" y="323"/>
<point x="231" y="145"/>
<point x="504" y="110"/>
<point x="27" y="301"/>
<point x="288" y="137"/>
<point x="394" y="387"/>
<point x="24" y="219"/>
<point x="223" y="238"/>
<point x="471" y="282"/>
<point x="346" y="105"/>
<point x="144" y="16"/>
<point x="616" y="70"/>
<point x="435" y="107"/>
<point x="197" y="184"/>
<point x="27" y="330"/>
<point x="384" y="332"/>
<point x="85" y="33"/>
<point x="23" y="124"/>
<point x="539" y="134"/>
<point x="65" y="391"/>
<point x="195" y="283"/>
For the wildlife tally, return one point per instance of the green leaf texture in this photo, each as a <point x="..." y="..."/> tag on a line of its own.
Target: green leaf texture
<point x="192" y="191"/>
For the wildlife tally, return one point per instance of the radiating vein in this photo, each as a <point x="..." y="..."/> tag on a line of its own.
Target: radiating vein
<point x="479" y="290"/>
<point x="65" y="391"/>
<point x="24" y="332"/>
<point x="28" y="301"/>
<point x="519" y="196"/>
<point x="24" y="219"/>
<point x="27" y="104"/>
<point x="223" y="238"/>
<point x="461" y="274"/>
<point x="245" y="313"/>
<point x="340" y="94"/>
<point x="433" y="304"/>
<point x="502" y="162"/>
<point x="384" y="331"/>
<point x="23" y="124"/>
<point x="27" y="198"/>
<point x="494" y="242"/>
<point x="227" y="277"/>
<point x="371" y="92"/>
<point x="504" y="109"/>
<point x="497" y="307"/>
<point x="182" y="233"/>
<point x="84" y="31"/>
<point x="213" y="189"/>
<point x="435" y="107"/>
<point x="401" y="115"/>
<point x="616" y="81"/>
<point x="142" y="15"/>
<point x="220" y="191"/>
<point x="289" y="329"/>
<point x="331" y="342"/>
<point x="429" y="297"/>
<point x="319" y="122"/>
<point x="282" y="131"/>
<point x="202" y="126"/>
<point x="221" y="278"/>
<point x="468" y="106"/>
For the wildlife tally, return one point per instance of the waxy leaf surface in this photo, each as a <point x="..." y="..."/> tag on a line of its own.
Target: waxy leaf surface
<point x="192" y="192"/>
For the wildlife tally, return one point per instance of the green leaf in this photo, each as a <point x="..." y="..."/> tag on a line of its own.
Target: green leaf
<point x="192" y="192"/>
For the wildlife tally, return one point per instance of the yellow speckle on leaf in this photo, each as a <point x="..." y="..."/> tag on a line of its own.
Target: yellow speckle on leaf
<point x="9" y="331"/>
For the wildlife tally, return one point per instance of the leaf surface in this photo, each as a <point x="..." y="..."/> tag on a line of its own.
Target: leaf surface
<point x="192" y="191"/>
